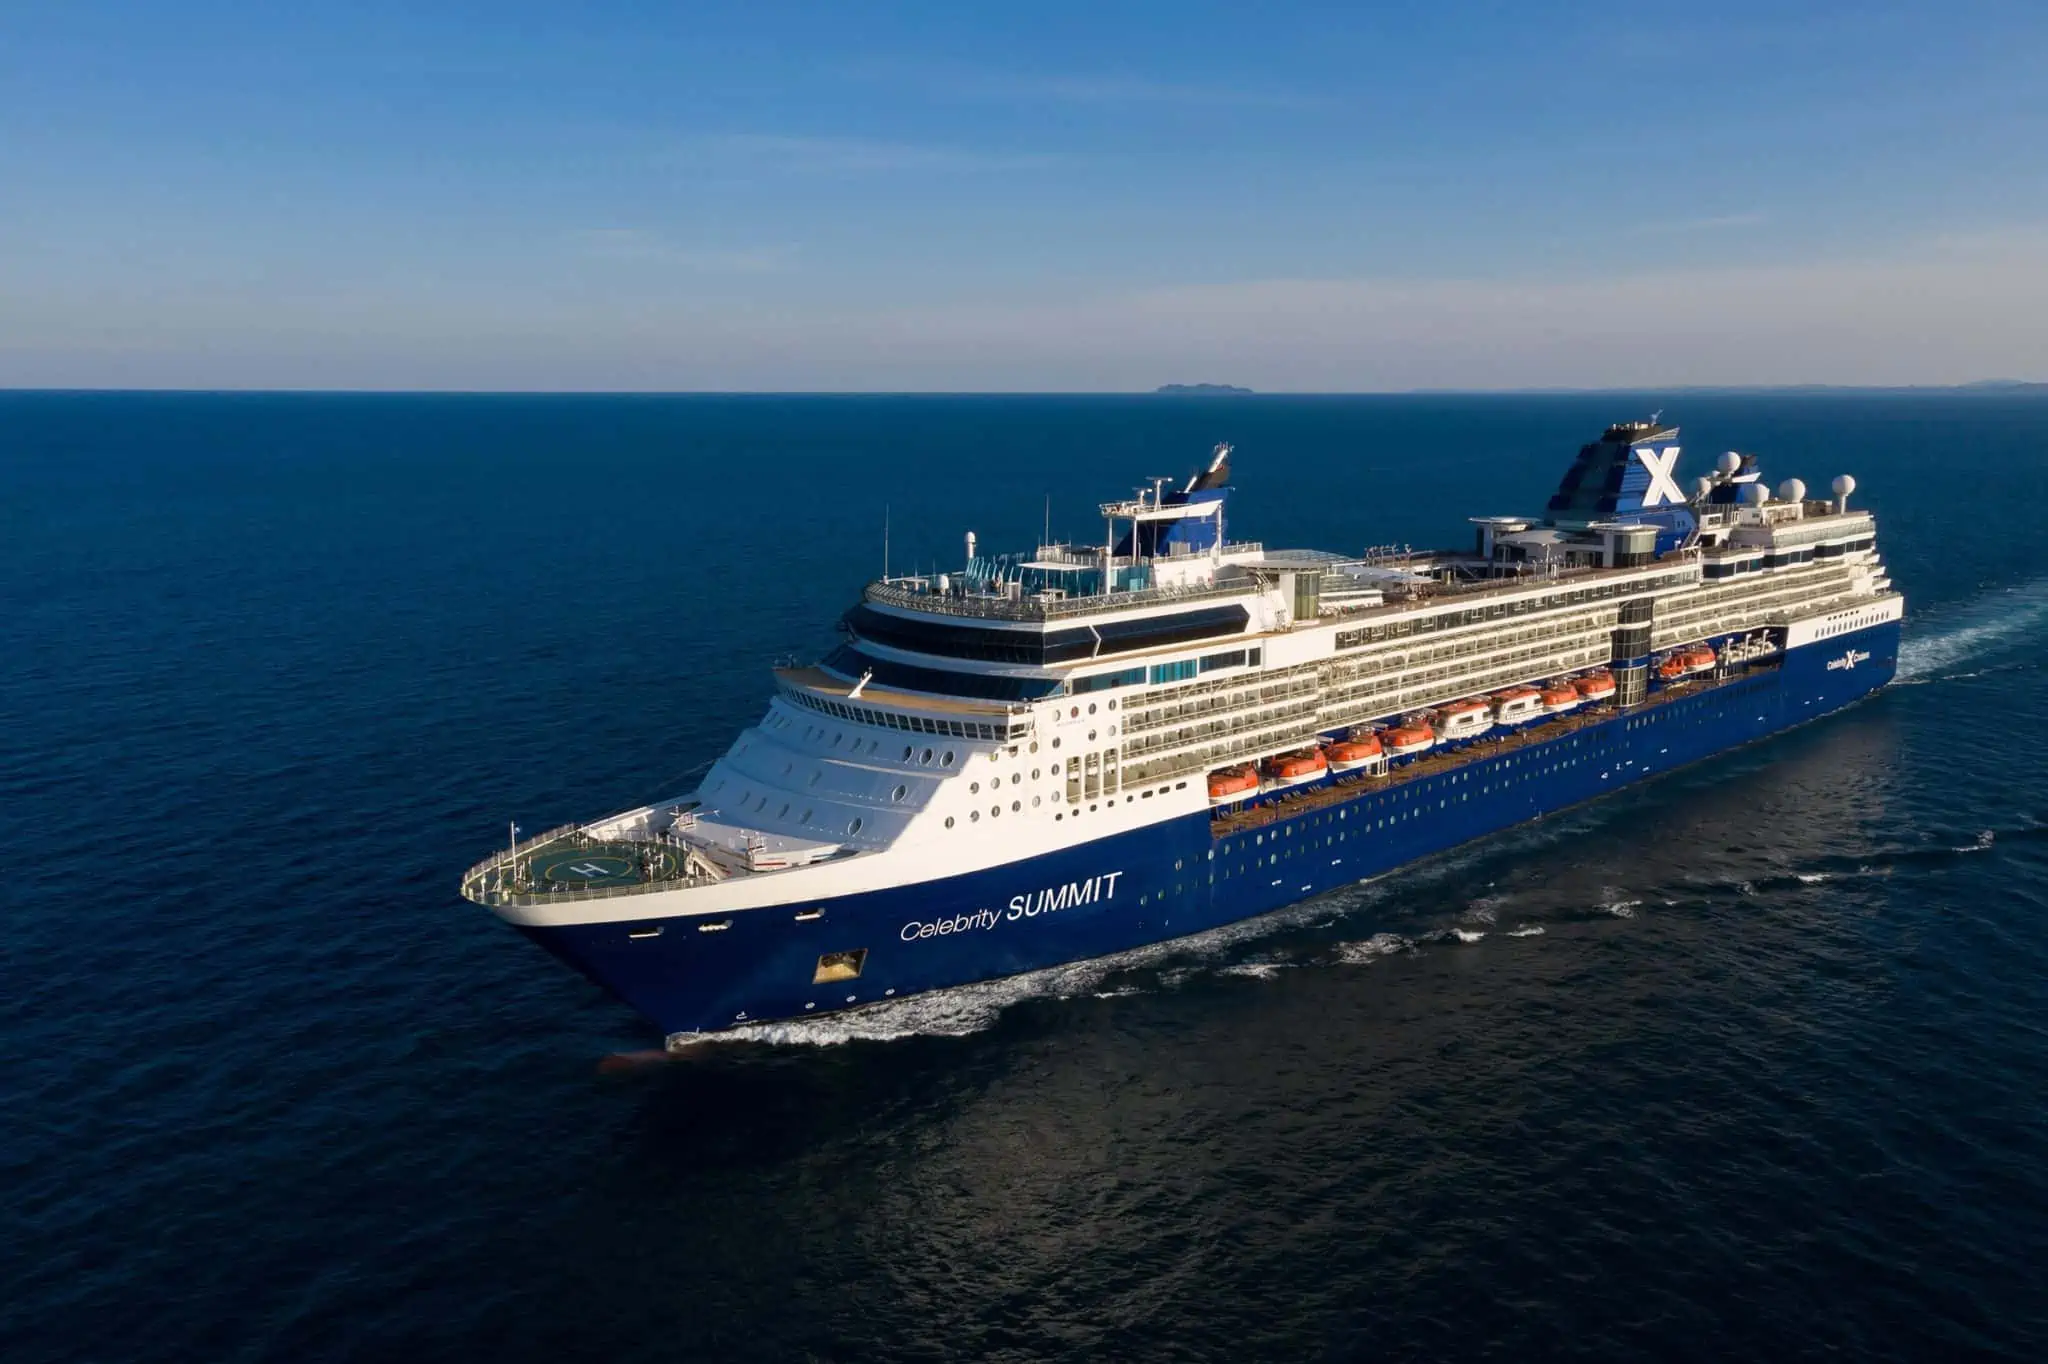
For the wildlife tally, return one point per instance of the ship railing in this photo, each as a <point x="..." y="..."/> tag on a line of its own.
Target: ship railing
<point x="496" y="880"/>
<point x="1042" y="608"/>
<point x="492" y="895"/>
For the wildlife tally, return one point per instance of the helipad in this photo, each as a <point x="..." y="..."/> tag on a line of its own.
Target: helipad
<point x="601" y="864"/>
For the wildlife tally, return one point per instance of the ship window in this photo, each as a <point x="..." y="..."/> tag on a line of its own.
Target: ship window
<point x="1015" y="806"/>
<point x="995" y="812"/>
<point x="834" y="966"/>
<point x="947" y="761"/>
<point x="899" y="793"/>
<point x="853" y="826"/>
<point x="974" y="788"/>
<point x="949" y="821"/>
<point x="927" y="758"/>
<point x="973" y="816"/>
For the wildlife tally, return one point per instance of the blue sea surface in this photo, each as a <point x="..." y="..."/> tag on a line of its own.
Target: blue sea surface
<point x="1745" y="1063"/>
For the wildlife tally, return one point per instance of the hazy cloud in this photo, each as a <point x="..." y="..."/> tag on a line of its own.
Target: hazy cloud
<point x="1713" y="223"/>
<point x="1944" y="310"/>
<point x="1105" y="88"/>
<point x="639" y="245"/>
<point x="842" y="155"/>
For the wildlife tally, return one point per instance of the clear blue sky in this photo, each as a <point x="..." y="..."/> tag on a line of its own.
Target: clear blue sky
<point x="1044" y="196"/>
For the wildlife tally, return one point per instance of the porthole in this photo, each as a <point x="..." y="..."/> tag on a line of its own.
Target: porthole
<point x="947" y="760"/>
<point x="949" y="821"/>
<point x="1055" y="798"/>
<point x="974" y="788"/>
<point x="995" y="812"/>
<point x="1034" y="745"/>
<point x="926" y="758"/>
<point x="1091" y="707"/>
<point x="1073" y="712"/>
<point x="1016" y="777"/>
<point x="974" y="816"/>
<point x="899" y="793"/>
<point x="1091" y="736"/>
<point x="1112" y="705"/>
<point x="1055" y="743"/>
<point x="807" y="817"/>
<point x="838" y="739"/>
<point x="815" y="776"/>
<point x="854" y="825"/>
<point x="1034" y="774"/>
<point x="907" y="751"/>
<point x="1035" y="800"/>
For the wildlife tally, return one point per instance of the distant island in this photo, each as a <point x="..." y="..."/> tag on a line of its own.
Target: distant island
<point x="1200" y="388"/>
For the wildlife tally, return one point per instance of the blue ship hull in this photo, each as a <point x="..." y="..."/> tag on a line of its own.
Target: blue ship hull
<point x="1177" y="878"/>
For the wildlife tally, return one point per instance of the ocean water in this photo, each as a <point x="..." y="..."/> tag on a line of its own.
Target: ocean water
<point x="1748" y="1063"/>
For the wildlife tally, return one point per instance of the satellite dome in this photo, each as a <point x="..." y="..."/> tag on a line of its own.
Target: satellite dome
<point x="1754" y="493"/>
<point x="1844" y="485"/>
<point x="1702" y="486"/>
<point x="1729" y="462"/>
<point x="1792" y="490"/>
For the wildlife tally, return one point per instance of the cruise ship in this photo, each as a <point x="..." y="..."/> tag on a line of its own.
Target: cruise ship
<point x="1057" y="755"/>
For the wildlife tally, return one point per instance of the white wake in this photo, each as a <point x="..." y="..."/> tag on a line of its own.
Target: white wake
<point x="1981" y="627"/>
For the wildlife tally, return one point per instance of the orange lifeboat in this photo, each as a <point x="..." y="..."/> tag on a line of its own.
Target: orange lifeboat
<point x="1409" y="739"/>
<point x="1699" y="659"/>
<point x="1559" y="697"/>
<point x="1232" y="783"/>
<point x="1295" y="767"/>
<point x="1595" y="686"/>
<point x="1672" y="669"/>
<point x="1357" y="751"/>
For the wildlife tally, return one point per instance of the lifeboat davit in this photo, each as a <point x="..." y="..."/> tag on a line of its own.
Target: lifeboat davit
<point x="1405" y="741"/>
<point x="1559" y="697"/>
<point x="1356" y="751"/>
<point x="1700" y="659"/>
<point x="1464" y="720"/>
<point x="1595" y="686"/>
<point x="1517" y="704"/>
<point x="1290" y="768"/>
<point x="1232" y="783"/>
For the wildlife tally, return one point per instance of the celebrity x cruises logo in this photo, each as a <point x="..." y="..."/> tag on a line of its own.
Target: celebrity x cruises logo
<point x="1663" y="484"/>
